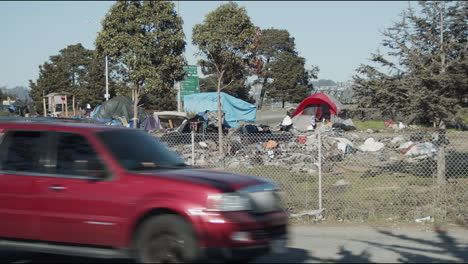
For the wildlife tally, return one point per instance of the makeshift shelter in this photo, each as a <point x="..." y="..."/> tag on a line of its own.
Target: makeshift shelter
<point x="320" y="105"/>
<point x="118" y="108"/>
<point x="60" y="100"/>
<point x="234" y="108"/>
<point x="170" y="119"/>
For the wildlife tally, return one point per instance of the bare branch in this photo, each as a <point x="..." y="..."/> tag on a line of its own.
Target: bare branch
<point x="212" y="59"/>
<point x="227" y="84"/>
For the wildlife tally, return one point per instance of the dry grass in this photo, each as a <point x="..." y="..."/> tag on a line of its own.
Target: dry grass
<point x="371" y="199"/>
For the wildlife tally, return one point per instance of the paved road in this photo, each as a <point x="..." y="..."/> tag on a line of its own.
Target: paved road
<point x="364" y="244"/>
<point x="335" y="243"/>
<point x="270" y="118"/>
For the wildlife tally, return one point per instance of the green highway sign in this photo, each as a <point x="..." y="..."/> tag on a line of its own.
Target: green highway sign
<point x="191" y="69"/>
<point x="190" y="83"/>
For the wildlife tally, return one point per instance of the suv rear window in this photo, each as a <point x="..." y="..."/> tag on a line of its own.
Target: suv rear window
<point x="136" y="150"/>
<point x="21" y="151"/>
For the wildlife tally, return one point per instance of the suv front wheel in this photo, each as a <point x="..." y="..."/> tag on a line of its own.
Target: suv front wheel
<point x="166" y="239"/>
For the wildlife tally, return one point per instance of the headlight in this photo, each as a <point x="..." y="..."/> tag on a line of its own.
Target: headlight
<point x="228" y="202"/>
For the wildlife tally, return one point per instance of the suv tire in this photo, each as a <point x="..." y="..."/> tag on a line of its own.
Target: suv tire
<point x="166" y="239"/>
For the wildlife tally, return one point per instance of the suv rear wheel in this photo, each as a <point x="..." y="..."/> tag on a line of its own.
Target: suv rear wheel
<point x="166" y="239"/>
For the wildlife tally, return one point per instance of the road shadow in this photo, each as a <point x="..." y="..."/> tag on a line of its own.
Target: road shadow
<point x="408" y="249"/>
<point x="30" y="257"/>
<point x="416" y="251"/>
<point x="446" y="246"/>
<point x="293" y="255"/>
<point x="297" y="255"/>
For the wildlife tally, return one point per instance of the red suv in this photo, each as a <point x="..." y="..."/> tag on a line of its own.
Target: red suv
<point x="109" y="192"/>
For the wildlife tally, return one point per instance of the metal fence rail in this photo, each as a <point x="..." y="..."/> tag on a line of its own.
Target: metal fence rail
<point x="391" y="174"/>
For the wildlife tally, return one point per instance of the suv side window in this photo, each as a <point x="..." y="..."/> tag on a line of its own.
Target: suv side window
<point x="21" y="151"/>
<point x="76" y="157"/>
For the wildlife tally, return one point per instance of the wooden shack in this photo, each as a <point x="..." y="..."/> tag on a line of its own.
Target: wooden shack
<point x="53" y="100"/>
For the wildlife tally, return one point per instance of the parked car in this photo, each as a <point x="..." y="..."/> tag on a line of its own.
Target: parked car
<point x="112" y="192"/>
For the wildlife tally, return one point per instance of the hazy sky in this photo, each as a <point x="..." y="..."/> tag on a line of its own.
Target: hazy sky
<point x="336" y="36"/>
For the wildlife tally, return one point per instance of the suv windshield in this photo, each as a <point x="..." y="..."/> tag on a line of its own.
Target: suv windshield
<point x="136" y="150"/>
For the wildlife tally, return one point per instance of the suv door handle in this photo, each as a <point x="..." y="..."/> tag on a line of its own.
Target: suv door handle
<point x="57" y="188"/>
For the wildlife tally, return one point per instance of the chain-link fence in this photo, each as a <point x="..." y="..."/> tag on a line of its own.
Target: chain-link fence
<point x="390" y="174"/>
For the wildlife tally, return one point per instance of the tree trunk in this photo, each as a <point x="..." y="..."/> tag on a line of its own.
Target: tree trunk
<point x="220" y="123"/>
<point x="283" y="102"/>
<point x="441" y="170"/>
<point x="136" y="96"/>
<point x="262" y="94"/>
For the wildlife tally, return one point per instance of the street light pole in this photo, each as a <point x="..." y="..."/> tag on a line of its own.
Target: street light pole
<point x="107" y="81"/>
<point x="178" y="83"/>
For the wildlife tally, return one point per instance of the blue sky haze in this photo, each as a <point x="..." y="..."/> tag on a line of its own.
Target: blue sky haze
<point x="336" y="36"/>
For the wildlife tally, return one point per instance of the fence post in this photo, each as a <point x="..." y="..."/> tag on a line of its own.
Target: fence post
<point x="193" y="144"/>
<point x="441" y="170"/>
<point x="441" y="165"/>
<point x="319" y="167"/>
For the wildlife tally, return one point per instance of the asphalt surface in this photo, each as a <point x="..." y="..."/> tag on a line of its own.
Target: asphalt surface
<point x="335" y="244"/>
<point x="271" y="118"/>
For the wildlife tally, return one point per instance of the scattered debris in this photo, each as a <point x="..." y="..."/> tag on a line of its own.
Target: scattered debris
<point x="344" y="144"/>
<point x="271" y="144"/>
<point x="388" y="123"/>
<point x="311" y="212"/>
<point x="397" y="139"/>
<point x="425" y="219"/>
<point x="371" y="145"/>
<point x="401" y="126"/>
<point x="299" y="154"/>
<point x="405" y="147"/>
<point x="341" y="182"/>
<point x="420" y="149"/>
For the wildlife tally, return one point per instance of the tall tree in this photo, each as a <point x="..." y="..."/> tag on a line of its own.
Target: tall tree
<point x="93" y="87"/>
<point x="3" y="96"/>
<point x="272" y="42"/>
<point x="146" y="40"/>
<point x="76" y="70"/>
<point x="224" y="40"/>
<point x="53" y="77"/>
<point x="289" y="78"/>
<point x="424" y="72"/>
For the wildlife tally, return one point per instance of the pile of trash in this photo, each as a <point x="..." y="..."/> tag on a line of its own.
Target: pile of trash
<point x="249" y="146"/>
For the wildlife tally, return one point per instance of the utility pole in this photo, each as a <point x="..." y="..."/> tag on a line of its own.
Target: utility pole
<point x="107" y="81"/>
<point x="178" y="84"/>
<point x="442" y="54"/>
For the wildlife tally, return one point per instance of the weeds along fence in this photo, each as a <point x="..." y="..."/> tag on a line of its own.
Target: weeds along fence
<point x="358" y="175"/>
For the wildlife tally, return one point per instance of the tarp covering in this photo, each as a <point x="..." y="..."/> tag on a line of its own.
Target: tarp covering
<point x="321" y="99"/>
<point x="117" y="107"/>
<point x="235" y="109"/>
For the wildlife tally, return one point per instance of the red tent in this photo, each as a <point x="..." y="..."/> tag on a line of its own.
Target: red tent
<point x="318" y="99"/>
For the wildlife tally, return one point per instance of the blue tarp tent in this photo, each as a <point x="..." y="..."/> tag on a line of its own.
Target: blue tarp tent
<point x="236" y="109"/>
